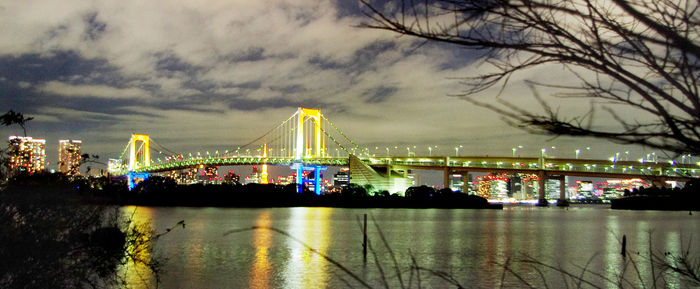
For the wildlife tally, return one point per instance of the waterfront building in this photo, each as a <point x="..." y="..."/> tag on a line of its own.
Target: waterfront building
<point x="290" y="179"/>
<point x="254" y="177"/>
<point x="183" y="177"/>
<point x="493" y="186"/>
<point x="342" y="178"/>
<point x="69" y="157"/>
<point x="232" y="178"/>
<point x="26" y="154"/>
<point x="210" y="175"/>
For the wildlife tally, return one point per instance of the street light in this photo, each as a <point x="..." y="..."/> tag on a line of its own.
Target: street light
<point x="578" y="151"/>
<point x="457" y="150"/>
<point x="430" y="151"/>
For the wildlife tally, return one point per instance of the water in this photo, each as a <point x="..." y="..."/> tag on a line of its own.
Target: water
<point x="470" y="245"/>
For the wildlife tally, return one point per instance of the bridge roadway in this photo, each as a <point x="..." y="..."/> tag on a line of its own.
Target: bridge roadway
<point x="547" y="166"/>
<point x="543" y="168"/>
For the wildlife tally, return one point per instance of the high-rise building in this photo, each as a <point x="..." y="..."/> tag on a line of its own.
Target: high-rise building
<point x="26" y="154"/>
<point x="69" y="157"/>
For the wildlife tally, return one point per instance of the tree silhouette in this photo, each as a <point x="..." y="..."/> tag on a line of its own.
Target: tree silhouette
<point x="11" y="117"/>
<point x="642" y="55"/>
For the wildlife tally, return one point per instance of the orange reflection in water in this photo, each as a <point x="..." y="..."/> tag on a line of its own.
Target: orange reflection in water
<point x="137" y="275"/>
<point x="261" y="271"/>
<point x="307" y="269"/>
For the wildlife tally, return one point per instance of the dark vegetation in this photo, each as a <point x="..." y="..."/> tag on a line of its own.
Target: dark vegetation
<point x="655" y="198"/>
<point x="162" y="191"/>
<point x="52" y="238"/>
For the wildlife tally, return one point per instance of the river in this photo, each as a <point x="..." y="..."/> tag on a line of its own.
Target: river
<point x="470" y="246"/>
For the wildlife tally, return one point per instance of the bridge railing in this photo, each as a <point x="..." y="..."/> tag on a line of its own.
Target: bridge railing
<point x="536" y="164"/>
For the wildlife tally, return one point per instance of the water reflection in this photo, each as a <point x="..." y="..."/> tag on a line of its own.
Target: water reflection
<point x="465" y="243"/>
<point x="305" y="269"/>
<point x="137" y="275"/>
<point x="262" y="239"/>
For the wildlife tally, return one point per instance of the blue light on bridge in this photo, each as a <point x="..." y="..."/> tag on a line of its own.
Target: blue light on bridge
<point x="131" y="176"/>
<point x="300" y="177"/>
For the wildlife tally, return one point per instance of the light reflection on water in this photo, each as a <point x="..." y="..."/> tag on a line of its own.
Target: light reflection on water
<point x="469" y="244"/>
<point x="138" y="276"/>
<point x="306" y="269"/>
<point x="262" y="269"/>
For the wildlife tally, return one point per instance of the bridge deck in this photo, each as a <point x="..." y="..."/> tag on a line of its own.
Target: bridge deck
<point x="553" y="166"/>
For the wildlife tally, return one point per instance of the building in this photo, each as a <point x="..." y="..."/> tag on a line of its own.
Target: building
<point x="210" y="175"/>
<point x="69" y="157"/>
<point x="342" y="178"/>
<point x="26" y="154"/>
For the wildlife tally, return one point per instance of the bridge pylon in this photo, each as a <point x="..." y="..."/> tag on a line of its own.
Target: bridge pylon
<point x="139" y="151"/>
<point x="302" y="148"/>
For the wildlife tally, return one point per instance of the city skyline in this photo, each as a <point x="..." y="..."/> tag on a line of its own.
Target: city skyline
<point x="216" y="75"/>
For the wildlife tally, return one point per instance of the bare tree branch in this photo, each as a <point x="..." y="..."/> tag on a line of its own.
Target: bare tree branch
<point x="642" y="55"/>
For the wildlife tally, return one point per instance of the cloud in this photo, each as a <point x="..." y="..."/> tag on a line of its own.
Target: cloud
<point x="212" y="74"/>
<point x="100" y="91"/>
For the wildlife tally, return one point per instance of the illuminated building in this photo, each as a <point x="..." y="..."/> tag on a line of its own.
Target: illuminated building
<point x="210" y="175"/>
<point x="283" y="181"/>
<point x="183" y="177"/>
<point x="342" y="178"/>
<point x="232" y="178"/>
<point x="493" y="187"/>
<point x="115" y="166"/>
<point x="69" y="157"/>
<point x="26" y="154"/>
<point x="254" y="177"/>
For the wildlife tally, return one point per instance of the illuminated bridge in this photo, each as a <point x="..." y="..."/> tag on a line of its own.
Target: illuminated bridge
<point x="307" y="141"/>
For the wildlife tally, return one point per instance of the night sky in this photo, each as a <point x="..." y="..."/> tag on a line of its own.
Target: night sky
<point x="208" y="75"/>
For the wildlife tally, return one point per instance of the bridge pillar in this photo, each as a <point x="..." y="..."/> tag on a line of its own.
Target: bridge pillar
<point x="563" y="201"/>
<point x="659" y="182"/>
<point x="446" y="177"/>
<point x="542" y="182"/>
<point x="131" y="178"/>
<point x="300" y="178"/>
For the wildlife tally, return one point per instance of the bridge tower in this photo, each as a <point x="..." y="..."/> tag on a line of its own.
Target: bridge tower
<point x="305" y="150"/>
<point x="139" y="151"/>
<point x="302" y="149"/>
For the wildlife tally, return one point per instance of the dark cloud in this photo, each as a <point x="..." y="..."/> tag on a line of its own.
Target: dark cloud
<point x="94" y="27"/>
<point x="379" y="94"/>
<point x="57" y="65"/>
<point x="167" y="63"/>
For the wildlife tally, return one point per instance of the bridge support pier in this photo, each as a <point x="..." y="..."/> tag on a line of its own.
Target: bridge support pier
<point x="300" y="178"/>
<point x="300" y="168"/>
<point x="541" y="182"/>
<point x="131" y="179"/>
<point x="563" y="201"/>
<point x="446" y="178"/>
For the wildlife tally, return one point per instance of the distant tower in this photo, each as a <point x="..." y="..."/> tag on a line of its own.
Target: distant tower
<point x="263" y="175"/>
<point x="26" y="154"/>
<point x="69" y="157"/>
